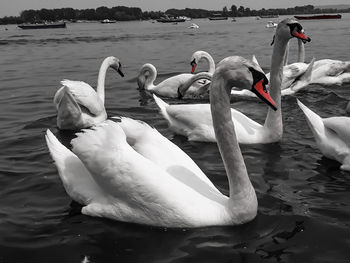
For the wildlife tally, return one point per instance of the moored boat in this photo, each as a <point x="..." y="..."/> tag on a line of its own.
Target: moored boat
<point x="108" y="21"/>
<point x="268" y="16"/>
<point x="43" y="25"/>
<point x="167" y="19"/>
<point x="218" y="17"/>
<point x="323" y="16"/>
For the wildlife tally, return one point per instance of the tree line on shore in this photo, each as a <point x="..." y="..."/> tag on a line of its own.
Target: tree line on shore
<point x="123" y="13"/>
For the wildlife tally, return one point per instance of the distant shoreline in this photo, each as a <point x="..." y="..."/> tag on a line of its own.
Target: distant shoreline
<point x="123" y="13"/>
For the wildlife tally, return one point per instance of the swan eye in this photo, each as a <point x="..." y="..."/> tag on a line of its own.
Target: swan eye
<point x="194" y="65"/>
<point x="296" y="26"/>
<point x="258" y="76"/>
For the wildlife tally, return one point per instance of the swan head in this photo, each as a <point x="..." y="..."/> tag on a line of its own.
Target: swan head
<point x="289" y="28"/>
<point x="147" y="73"/>
<point x="115" y="64"/>
<point x="195" y="58"/>
<point x="245" y="74"/>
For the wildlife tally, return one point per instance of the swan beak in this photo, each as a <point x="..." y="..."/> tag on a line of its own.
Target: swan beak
<point x="260" y="90"/>
<point x="194" y="65"/>
<point x="120" y="72"/>
<point x="301" y="35"/>
<point x="118" y="69"/>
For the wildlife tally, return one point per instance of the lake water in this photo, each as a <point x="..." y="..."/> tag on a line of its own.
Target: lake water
<point x="304" y="204"/>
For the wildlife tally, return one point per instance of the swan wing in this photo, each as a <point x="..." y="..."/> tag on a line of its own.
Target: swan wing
<point x="142" y="191"/>
<point x="339" y="125"/>
<point x="314" y="120"/>
<point x="195" y="122"/>
<point x="76" y="179"/>
<point x="85" y="95"/>
<point x="169" y="86"/>
<point x="148" y="142"/>
<point x="69" y="113"/>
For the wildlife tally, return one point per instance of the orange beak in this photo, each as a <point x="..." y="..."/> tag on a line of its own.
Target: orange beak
<point x="260" y="91"/>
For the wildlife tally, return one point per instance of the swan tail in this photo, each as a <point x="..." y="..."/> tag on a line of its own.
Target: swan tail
<point x="69" y="113"/>
<point x="304" y="79"/>
<point x="315" y="121"/>
<point x="308" y="73"/>
<point x="76" y="179"/>
<point x="162" y="105"/>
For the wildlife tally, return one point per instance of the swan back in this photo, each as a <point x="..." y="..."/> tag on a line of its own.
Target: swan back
<point x="143" y="192"/>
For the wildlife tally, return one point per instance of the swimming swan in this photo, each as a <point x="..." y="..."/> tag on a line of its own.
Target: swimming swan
<point x="168" y="87"/>
<point x="78" y="104"/>
<point x="114" y="175"/>
<point x="332" y="135"/>
<point x="194" y="120"/>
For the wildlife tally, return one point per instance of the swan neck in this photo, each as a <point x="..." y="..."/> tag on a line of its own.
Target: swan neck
<point x="301" y="51"/>
<point x="286" y="55"/>
<point x="149" y="81"/>
<point x="185" y="86"/>
<point x="273" y="120"/>
<point x="210" y="61"/>
<point x="226" y="138"/>
<point x="100" y="90"/>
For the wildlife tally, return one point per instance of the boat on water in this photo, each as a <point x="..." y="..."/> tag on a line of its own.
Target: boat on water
<point x="323" y="16"/>
<point x="43" y="25"/>
<point x="271" y="24"/>
<point x="108" y="21"/>
<point x="268" y="16"/>
<point x="218" y="17"/>
<point x="168" y="19"/>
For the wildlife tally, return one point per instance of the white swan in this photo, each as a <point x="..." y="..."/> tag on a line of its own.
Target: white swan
<point x="78" y="104"/>
<point x="168" y="87"/>
<point x="194" y="120"/>
<point x="295" y="76"/>
<point x="142" y="177"/>
<point x="202" y="55"/>
<point x="332" y="135"/>
<point x="328" y="72"/>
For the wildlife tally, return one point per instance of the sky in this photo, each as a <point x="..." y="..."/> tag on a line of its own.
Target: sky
<point x="14" y="7"/>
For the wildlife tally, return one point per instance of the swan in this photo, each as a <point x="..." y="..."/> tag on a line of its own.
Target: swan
<point x="329" y="72"/>
<point x="168" y="87"/>
<point x="332" y="135"/>
<point x="295" y="76"/>
<point x="114" y="174"/>
<point x="78" y="105"/>
<point x="202" y="55"/>
<point x="194" y="120"/>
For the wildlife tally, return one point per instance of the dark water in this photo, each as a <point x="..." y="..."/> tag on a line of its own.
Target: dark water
<point x="304" y="205"/>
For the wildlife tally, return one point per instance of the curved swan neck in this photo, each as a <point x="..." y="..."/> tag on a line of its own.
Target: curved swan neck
<point x="149" y="81"/>
<point x="210" y="61"/>
<point x="100" y="90"/>
<point x="301" y="51"/>
<point x="185" y="86"/>
<point x="274" y="118"/>
<point x="226" y="138"/>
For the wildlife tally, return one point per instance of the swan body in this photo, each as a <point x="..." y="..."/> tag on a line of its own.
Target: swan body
<point x="168" y="87"/>
<point x="330" y="72"/>
<point x="332" y="135"/>
<point x="194" y="121"/>
<point x="78" y="105"/>
<point x="128" y="171"/>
